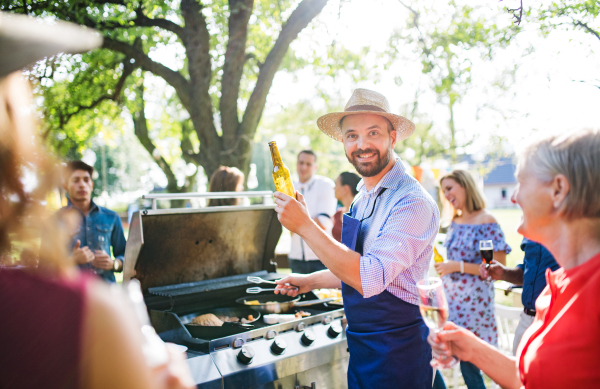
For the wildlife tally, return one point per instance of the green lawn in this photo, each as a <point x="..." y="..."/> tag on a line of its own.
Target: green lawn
<point x="509" y="219"/>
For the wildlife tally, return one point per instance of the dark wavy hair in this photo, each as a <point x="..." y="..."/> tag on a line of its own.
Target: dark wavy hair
<point x="350" y="179"/>
<point x="225" y="179"/>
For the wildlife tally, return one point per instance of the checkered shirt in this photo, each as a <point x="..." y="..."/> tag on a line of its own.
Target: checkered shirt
<point x="398" y="238"/>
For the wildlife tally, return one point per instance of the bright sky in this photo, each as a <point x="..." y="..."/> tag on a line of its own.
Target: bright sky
<point x="544" y="98"/>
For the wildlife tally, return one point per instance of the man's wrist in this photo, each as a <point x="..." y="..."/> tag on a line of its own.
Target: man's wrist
<point x="305" y="229"/>
<point x="314" y="280"/>
<point x="502" y="275"/>
<point x="117" y="265"/>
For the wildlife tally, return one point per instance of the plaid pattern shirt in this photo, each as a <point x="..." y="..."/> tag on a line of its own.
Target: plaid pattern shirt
<point x="398" y="238"/>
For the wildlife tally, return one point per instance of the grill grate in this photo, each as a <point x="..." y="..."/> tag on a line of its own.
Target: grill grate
<point x="208" y="285"/>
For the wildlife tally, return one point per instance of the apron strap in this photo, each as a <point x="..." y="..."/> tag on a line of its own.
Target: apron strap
<point x="349" y="213"/>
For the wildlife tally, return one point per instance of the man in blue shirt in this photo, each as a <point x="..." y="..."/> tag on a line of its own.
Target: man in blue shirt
<point x="531" y="274"/>
<point x="98" y="228"/>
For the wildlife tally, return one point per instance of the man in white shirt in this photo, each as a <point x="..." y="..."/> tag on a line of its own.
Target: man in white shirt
<point x="319" y="194"/>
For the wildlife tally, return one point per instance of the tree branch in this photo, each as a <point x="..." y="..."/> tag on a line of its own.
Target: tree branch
<point x="128" y="68"/>
<point x="140" y="125"/>
<point x="415" y="23"/>
<point x="173" y="78"/>
<point x="306" y="11"/>
<point x="187" y="148"/>
<point x="518" y="17"/>
<point x="142" y="20"/>
<point x="197" y="46"/>
<point x="588" y="83"/>
<point x="240" y="12"/>
<point x="586" y="27"/>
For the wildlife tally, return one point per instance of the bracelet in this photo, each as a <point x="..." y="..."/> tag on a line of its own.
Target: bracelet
<point x="462" y="267"/>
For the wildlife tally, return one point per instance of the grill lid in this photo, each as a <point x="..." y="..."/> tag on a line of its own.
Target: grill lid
<point x="175" y="246"/>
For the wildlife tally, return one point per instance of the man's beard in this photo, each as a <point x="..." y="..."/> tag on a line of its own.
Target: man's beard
<point x="370" y="169"/>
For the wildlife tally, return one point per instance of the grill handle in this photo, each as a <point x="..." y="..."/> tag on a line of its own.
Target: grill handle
<point x="206" y="195"/>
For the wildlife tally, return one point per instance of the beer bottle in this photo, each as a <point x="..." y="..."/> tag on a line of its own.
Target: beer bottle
<point x="437" y="257"/>
<point x="281" y="174"/>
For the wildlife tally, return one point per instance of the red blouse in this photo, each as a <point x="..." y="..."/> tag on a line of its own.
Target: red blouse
<point x="561" y="349"/>
<point x="40" y="330"/>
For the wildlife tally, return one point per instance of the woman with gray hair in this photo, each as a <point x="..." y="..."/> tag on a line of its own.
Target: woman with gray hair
<point x="557" y="191"/>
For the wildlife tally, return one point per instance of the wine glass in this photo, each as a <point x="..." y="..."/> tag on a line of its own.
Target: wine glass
<point x="434" y="308"/>
<point x="100" y="246"/>
<point x="486" y="249"/>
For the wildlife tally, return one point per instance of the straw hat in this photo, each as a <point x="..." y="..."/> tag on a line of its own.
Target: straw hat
<point x="24" y="40"/>
<point x="365" y="101"/>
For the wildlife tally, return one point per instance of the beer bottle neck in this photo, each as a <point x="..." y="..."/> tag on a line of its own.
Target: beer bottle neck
<point x="276" y="156"/>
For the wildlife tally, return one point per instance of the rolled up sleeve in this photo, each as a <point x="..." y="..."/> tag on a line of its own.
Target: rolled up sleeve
<point x="403" y="242"/>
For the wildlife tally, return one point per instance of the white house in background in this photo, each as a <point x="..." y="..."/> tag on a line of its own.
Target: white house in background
<point x="499" y="185"/>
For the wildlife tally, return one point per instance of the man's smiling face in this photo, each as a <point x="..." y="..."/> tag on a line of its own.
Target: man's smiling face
<point x="368" y="141"/>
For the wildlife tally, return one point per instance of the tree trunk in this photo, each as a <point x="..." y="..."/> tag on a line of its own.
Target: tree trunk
<point x="140" y="124"/>
<point x="452" y="129"/>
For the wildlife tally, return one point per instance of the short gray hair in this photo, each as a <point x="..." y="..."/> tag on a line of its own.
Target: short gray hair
<point x="576" y="155"/>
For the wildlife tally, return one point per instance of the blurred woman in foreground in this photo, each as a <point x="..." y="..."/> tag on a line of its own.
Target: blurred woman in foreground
<point x="226" y="179"/>
<point x="558" y="192"/>
<point x="59" y="329"/>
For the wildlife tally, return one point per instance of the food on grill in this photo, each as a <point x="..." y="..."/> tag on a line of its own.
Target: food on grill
<point x="212" y="320"/>
<point x="326" y="293"/>
<point x="256" y="302"/>
<point x="208" y="320"/>
<point x="229" y="319"/>
<point x="302" y="314"/>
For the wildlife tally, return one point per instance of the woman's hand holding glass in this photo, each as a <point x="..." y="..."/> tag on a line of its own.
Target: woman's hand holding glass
<point x="434" y="308"/>
<point x="452" y="341"/>
<point x="445" y="268"/>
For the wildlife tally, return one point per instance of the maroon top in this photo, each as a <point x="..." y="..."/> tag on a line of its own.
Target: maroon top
<point x="337" y="225"/>
<point x="40" y="330"/>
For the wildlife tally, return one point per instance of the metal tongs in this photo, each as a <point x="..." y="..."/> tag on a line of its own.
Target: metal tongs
<point x="258" y="280"/>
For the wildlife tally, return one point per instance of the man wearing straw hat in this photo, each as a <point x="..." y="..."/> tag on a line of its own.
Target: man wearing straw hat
<point x="386" y="247"/>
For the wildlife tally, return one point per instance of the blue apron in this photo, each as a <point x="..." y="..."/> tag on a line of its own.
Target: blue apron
<point x="387" y="337"/>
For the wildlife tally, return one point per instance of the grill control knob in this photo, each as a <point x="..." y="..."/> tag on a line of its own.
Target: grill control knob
<point x="245" y="355"/>
<point x="278" y="346"/>
<point x="308" y="337"/>
<point x="334" y="330"/>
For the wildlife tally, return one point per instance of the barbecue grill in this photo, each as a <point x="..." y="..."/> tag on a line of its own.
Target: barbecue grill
<point x="190" y="261"/>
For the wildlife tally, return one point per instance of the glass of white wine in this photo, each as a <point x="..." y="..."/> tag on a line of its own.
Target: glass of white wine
<point x="100" y="245"/>
<point x="434" y="308"/>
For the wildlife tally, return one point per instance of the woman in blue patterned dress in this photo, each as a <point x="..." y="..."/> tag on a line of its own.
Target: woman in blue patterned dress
<point x="470" y="299"/>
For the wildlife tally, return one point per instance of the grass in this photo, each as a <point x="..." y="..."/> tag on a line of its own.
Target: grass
<point x="509" y="219"/>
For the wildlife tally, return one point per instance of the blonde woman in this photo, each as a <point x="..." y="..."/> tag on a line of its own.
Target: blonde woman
<point x="470" y="299"/>
<point x="558" y="192"/>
